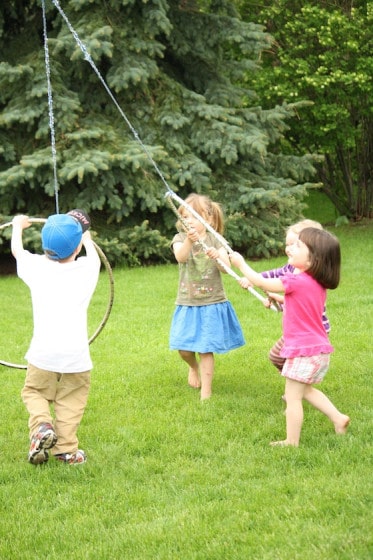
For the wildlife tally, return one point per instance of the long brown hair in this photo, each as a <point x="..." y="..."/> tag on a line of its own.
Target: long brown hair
<point x="325" y="256"/>
<point x="210" y="211"/>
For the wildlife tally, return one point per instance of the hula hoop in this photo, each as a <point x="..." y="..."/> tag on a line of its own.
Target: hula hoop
<point x="217" y="236"/>
<point x="109" y="305"/>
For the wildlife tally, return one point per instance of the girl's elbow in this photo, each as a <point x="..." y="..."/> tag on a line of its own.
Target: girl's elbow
<point x="180" y="260"/>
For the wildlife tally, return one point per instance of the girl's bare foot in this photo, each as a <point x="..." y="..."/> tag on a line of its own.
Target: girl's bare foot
<point x="205" y="396"/>
<point x="341" y="426"/>
<point x="284" y="443"/>
<point x="193" y="378"/>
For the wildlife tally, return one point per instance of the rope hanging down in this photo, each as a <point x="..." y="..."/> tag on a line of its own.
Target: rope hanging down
<point x="88" y="58"/>
<point x="50" y="106"/>
<point x="56" y="189"/>
<point x="170" y="192"/>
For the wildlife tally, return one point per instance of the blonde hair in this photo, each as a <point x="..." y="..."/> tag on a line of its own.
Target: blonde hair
<point x="299" y="226"/>
<point x="210" y="211"/>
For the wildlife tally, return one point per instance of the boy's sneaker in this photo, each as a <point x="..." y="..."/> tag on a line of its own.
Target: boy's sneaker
<point x="43" y="439"/>
<point x="72" y="458"/>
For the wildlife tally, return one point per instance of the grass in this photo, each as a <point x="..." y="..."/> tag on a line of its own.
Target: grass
<point x="320" y="208"/>
<point x="169" y="477"/>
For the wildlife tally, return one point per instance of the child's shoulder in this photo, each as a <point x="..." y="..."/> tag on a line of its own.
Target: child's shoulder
<point x="180" y="235"/>
<point x="26" y="255"/>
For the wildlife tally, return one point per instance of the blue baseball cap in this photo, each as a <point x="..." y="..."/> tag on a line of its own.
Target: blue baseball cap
<point x="61" y="235"/>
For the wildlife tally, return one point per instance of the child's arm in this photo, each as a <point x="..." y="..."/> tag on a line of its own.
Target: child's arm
<point x="272" y="299"/>
<point x="182" y="249"/>
<point x="89" y="246"/>
<point x="277" y="272"/>
<point x="279" y="298"/>
<point x="266" y="284"/>
<point x="19" y="223"/>
<point x="220" y="254"/>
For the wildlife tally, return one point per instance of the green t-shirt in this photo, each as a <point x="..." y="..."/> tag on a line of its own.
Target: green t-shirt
<point x="200" y="281"/>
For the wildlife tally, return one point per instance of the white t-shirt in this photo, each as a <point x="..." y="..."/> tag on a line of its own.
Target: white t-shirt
<point x="60" y="294"/>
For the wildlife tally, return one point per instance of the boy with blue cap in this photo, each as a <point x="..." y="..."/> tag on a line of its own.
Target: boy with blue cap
<point x="58" y="358"/>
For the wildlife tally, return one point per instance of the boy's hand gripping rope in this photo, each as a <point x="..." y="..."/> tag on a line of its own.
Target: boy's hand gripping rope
<point x="219" y="237"/>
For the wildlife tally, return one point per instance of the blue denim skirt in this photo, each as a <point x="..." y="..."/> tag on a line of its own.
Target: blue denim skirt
<point x="206" y="328"/>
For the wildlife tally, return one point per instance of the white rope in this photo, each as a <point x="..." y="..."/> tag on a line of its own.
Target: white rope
<point x="88" y="58"/>
<point x="220" y="238"/>
<point x="205" y="224"/>
<point x="170" y="192"/>
<point x="50" y="105"/>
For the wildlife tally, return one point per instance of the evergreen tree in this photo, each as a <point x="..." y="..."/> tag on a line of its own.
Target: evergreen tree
<point x="176" y="69"/>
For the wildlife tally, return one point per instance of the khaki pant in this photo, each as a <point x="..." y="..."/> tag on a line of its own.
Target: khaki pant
<point x="67" y="392"/>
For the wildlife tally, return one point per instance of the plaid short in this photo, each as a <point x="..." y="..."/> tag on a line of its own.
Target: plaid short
<point x="307" y="369"/>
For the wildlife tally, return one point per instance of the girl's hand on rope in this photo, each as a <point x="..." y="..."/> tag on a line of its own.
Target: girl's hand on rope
<point x="245" y="283"/>
<point x="278" y="298"/>
<point x="212" y="253"/>
<point x="192" y="235"/>
<point x="236" y="259"/>
<point x="22" y="221"/>
<point x="221" y="258"/>
<point x="274" y="299"/>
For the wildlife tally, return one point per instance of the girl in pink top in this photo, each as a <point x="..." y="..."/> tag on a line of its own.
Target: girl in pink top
<point x="316" y="257"/>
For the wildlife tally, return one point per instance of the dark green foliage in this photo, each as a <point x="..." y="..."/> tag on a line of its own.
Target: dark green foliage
<point x="186" y="120"/>
<point x="323" y="53"/>
<point x="138" y="245"/>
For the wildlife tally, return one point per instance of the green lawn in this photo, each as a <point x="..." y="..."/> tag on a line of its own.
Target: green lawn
<point x="171" y="478"/>
<point x="320" y="208"/>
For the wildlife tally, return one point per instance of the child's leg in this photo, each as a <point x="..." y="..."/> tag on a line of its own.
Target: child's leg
<point x="294" y="391"/>
<point x="193" y="375"/>
<point x="69" y="405"/>
<point x="274" y="354"/>
<point x="274" y="357"/>
<point x="207" y="373"/>
<point x="38" y="391"/>
<point x="324" y="405"/>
